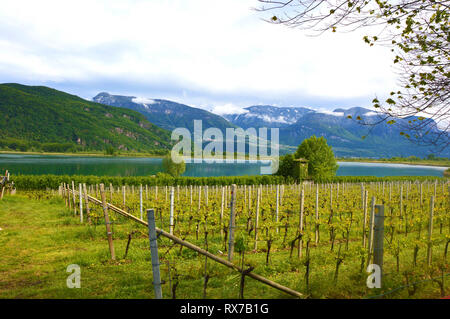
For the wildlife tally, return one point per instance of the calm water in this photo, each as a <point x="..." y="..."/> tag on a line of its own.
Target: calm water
<point x="126" y="166"/>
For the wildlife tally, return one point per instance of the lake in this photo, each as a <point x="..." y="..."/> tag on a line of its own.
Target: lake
<point x="140" y="166"/>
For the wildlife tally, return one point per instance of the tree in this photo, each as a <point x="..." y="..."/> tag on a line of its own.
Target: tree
<point x="416" y="30"/>
<point x="110" y="150"/>
<point x="320" y="156"/>
<point x="172" y="168"/>
<point x="287" y="166"/>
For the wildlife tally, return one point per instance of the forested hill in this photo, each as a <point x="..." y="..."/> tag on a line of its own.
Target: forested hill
<point x="34" y="118"/>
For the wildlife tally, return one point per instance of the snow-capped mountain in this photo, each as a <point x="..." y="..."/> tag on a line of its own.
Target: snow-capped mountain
<point x="295" y="124"/>
<point x="267" y="115"/>
<point x="344" y="134"/>
<point x="163" y="113"/>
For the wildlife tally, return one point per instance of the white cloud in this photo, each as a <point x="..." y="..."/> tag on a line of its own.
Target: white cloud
<point x="228" y="109"/>
<point x="214" y="47"/>
<point x="142" y="100"/>
<point x="331" y="113"/>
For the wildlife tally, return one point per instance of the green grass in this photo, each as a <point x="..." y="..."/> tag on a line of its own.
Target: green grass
<point x="40" y="238"/>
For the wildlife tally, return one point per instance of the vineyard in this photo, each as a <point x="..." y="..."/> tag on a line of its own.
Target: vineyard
<point x="304" y="240"/>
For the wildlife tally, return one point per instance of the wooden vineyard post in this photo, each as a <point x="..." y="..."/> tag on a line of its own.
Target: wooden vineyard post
<point x="232" y="223"/>
<point x="69" y="199"/>
<point x="250" y="198"/>
<point x="278" y="204"/>
<point x="421" y="194"/>
<point x="378" y="238"/>
<point x="74" y="196"/>
<point x="300" y="226"/>
<point x="245" y="197"/>
<point x="206" y="195"/>
<point x="226" y="195"/>
<point x="258" y="196"/>
<point x="331" y="198"/>
<point x="86" y="200"/>
<point x="401" y="200"/>
<point x="281" y="194"/>
<point x="156" y="192"/>
<point x="371" y="221"/>
<point x="65" y="193"/>
<point x="107" y="222"/>
<point x="124" y="196"/>
<point x="430" y="231"/>
<point x="81" y="203"/>
<point x="390" y="192"/>
<point x="199" y="198"/>
<point x="408" y="187"/>
<point x="221" y="210"/>
<point x="141" y="210"/>
<point x="171" y="225"/>
<point x="146" y="192"/>
<point x="362" y="195"/>
<point x="317" y="213"/>
<point x="365" y="218"/>
<point x="435" y="185"/>
<point x="337" y="193"/>
<point x="154" y="253"/>
<point x="111" y="189"/>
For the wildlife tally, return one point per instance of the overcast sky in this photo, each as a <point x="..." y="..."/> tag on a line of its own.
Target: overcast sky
<point x="213" y="54"/>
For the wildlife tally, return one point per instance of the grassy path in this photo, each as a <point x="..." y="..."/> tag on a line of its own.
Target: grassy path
<point x="39" y="239"/>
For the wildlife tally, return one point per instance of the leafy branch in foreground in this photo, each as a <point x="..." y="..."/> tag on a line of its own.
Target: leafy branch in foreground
<point x="418" y="33"/>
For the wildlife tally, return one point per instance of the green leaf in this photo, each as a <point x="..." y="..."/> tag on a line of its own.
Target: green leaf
<point x="390" y="101"/>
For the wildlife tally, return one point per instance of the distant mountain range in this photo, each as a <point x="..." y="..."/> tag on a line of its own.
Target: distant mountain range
<point x="343" y="134"/>
<point x="163" y="113"/>
<point x="268" y="116"/>
<point x="295" y="123"/>
<point x="41" y="118"/>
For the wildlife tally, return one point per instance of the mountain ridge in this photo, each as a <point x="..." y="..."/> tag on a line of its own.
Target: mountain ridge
<point x="164" y="113"/>
<point x="347" y="137"/>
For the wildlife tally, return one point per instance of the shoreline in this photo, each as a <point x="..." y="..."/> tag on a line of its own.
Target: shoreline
<point x="443" y="164"/>
<point x="82" y="154"/>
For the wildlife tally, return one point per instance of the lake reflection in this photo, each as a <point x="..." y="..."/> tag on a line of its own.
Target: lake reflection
<point x="137" y="166"/>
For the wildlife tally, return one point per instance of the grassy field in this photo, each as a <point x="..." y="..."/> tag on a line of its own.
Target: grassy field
<point x="40" y="237"/>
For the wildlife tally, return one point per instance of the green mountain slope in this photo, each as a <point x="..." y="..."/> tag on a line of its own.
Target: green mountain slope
<point x="41" y="118"/>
